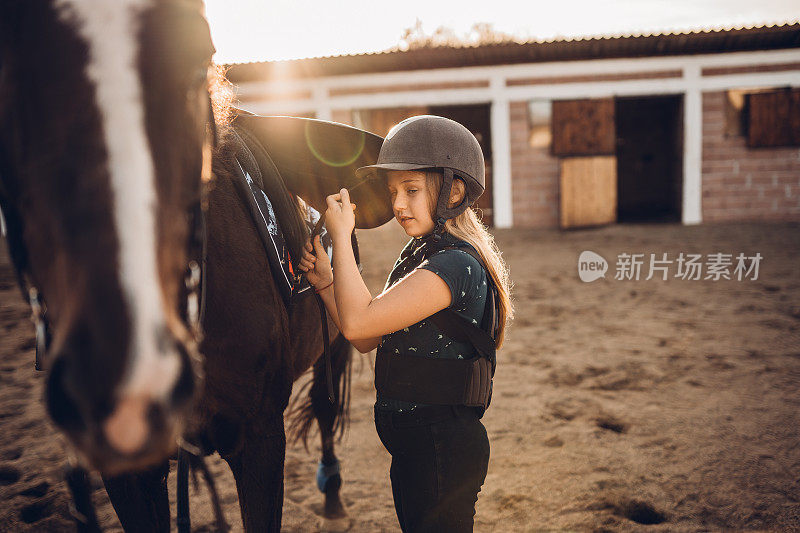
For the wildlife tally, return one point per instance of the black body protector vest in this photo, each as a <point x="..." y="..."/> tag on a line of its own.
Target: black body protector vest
<point x="440" y="381"/>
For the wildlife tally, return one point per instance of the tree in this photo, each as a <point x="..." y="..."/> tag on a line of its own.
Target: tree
<point x="481" y="33"/>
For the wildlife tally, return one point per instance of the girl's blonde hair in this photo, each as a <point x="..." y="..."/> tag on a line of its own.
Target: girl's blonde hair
<point x="468" y="227"/>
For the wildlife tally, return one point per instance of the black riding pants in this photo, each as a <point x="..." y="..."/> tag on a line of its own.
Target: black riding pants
<point x="440" y="457"/>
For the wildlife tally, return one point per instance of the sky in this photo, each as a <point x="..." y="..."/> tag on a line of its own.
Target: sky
<point x="261" y="30"/>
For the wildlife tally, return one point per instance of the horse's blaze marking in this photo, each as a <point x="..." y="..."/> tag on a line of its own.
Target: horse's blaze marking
<point x="110" y="30"/>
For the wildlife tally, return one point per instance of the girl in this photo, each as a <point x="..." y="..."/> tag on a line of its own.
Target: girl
<point x="434" y="170"/>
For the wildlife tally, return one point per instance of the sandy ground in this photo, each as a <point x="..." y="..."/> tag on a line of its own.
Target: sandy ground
<point x="617" y="403"/>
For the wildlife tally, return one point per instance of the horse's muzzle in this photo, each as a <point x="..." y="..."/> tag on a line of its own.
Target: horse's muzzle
<point x="119" y="434"/>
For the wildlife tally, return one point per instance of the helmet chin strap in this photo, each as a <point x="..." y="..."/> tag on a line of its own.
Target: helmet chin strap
<point x="442" y="212"/>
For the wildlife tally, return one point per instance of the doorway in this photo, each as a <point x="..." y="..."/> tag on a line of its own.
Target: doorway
<point x="649" y="149"/>
<point x="476" y="119"/>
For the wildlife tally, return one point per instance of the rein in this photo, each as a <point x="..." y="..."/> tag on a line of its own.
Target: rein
<point x="323" y="313"/>
<point x="190" y="457"/>
<point x="326" y="336"/>
<point x="12" y="231"/>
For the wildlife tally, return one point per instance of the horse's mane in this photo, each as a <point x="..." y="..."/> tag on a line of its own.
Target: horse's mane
<point x="222" y="97"/>
<point x="287" y="208"/>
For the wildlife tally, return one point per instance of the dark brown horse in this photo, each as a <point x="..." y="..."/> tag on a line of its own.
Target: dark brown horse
<point x="105" y="152"/>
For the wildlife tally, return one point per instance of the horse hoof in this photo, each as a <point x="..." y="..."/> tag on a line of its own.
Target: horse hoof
<point x="335" y="525"/>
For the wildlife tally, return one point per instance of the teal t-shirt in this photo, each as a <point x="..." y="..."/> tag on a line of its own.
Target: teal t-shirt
<point x="466" y="278"/>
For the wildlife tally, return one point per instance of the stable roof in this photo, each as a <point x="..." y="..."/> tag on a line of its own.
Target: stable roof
<point x="697" y="41"/>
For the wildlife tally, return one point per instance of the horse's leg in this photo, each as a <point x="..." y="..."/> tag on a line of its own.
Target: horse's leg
<point x="258" y="470"/>
<point x="140" y="499"/>
<point x="330" y="417"/>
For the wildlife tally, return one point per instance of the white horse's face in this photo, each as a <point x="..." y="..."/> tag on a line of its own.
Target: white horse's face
<point x="104" y="111"/>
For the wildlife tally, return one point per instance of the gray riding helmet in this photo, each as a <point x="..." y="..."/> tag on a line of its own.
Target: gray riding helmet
<point x="428" y="142"/>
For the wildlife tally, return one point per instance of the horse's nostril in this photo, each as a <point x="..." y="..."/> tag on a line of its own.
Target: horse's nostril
<point x="61" y="405"/>
<point x="156" y="417"/>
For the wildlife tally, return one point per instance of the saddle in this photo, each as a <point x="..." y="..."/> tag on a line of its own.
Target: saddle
<point x="249" y="181"/>
<point x="316" y="158"/>
<point x="299" y="161"/>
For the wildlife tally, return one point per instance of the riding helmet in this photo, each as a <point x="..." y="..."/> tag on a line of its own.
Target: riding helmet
<point x="428" y="142"/>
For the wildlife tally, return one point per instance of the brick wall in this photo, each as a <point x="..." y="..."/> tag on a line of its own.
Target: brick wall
<point x="534" y="176"/>
<point x="741" y="183"/>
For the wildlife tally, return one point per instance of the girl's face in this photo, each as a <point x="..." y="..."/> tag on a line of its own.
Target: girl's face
<point x="411" y="201"/>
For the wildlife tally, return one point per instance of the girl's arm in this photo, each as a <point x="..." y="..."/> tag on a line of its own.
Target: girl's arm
<point x="414" y="298"/>
<point x="362" y="345"/>
<point x="318" y="272"/>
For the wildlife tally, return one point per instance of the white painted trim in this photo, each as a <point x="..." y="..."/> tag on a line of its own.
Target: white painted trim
<point x="322" y="104"/>
<point x="750" y="79"/>
<point x="500" y="123"/>
<point x="528" y="70"/>
<point x="692" y="211"/>
<point x="280" y="107"/>
<point x="377" y="101"/>
<point x="522" y="93"/>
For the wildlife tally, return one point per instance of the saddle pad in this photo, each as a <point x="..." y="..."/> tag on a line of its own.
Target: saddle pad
<point x="289" y="282"/>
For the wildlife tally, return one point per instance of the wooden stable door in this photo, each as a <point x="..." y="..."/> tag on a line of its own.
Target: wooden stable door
<point x="584" y="139"/>
<point x="588" y="191"/>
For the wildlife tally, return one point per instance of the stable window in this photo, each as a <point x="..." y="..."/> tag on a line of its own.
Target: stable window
<point x="539" y="113"/>
<point x="734" y="116"/>
<point x="583" y="127"/>
<point x="773" y="118"/>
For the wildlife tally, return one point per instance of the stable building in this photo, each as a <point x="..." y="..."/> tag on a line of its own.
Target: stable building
<point x="699" y="126"/>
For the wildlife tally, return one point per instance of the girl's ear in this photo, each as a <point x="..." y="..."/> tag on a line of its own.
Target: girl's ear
<point x="456" y="192"/>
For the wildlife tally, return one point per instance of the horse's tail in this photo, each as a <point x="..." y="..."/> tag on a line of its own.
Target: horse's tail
<point x="312" y="403"/>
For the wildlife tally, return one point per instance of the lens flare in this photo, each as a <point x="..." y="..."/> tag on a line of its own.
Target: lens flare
<point x="346" y="155"/>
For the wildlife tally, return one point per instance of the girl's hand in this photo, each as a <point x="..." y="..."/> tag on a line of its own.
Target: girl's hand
<point x="339" y="218"/>
<point x="316" y="265"/>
